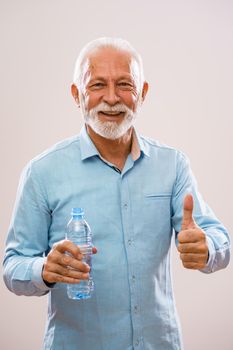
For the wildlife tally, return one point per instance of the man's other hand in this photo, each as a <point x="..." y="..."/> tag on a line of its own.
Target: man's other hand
<point x="192" y="246"/>
<point x="66" y="268"/>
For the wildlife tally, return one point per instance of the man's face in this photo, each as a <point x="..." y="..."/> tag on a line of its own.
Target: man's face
<point x="109" y="95"/>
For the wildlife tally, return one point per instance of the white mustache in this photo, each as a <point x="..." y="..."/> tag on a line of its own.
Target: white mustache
<point x="104" y="107"/>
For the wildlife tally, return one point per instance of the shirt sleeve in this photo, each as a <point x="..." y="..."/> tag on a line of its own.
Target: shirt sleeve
<point x="218" y="239"/>
<point x="27" y="240"/>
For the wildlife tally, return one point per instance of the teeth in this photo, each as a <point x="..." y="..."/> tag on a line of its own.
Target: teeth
<point x="112" y="113"/>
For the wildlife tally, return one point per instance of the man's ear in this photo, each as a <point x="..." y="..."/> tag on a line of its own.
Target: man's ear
<point x="75" y="94"/>
<point x="144" y="91"/>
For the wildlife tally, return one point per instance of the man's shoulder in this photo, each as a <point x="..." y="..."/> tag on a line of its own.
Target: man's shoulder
<point x="157" y="145"/>
<point x="163" y="153"/>
<point x="57" y="152"/>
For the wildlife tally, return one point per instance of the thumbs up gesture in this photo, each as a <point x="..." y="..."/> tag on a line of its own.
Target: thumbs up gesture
<point x="192" y="246"/>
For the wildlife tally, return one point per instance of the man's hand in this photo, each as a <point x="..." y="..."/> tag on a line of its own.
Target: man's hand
<point x="61" y="267"/>
<point x="192" y="246"/>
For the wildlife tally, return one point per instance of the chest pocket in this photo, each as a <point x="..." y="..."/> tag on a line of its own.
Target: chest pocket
<point x="158" y="196"/>
<point x="157" y="212"/>
<point x="153" y="229"/>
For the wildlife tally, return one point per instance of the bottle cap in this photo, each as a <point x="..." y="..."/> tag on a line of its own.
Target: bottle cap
<point x="77" y="211"/>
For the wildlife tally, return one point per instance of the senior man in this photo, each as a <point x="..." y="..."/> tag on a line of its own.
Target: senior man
<point x="135" y="192"/>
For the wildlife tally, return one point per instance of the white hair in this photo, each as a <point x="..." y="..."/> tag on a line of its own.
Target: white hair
<point x="115" y="43"/>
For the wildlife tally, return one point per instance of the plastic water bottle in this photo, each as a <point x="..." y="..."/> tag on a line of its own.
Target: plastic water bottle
<point x="78" y="231"/>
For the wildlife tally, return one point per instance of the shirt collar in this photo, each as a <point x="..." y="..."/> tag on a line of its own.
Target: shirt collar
<point x="140" y="145"/>
<point x="88" y="148"/>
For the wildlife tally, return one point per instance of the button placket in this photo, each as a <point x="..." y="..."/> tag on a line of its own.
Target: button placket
<point x="130" y="252"/>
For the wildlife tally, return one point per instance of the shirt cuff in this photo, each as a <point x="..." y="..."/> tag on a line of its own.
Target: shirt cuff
<point x="36" y="278"/>
<point x="212" y="253"/>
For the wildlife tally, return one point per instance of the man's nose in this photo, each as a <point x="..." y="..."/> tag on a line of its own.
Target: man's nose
<point x="111" y="97"/>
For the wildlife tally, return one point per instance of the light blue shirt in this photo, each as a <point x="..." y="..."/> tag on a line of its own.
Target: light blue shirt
<point x="133" y="215"/>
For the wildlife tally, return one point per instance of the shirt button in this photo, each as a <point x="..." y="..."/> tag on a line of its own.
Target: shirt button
<point x="135" y="309"/>
<point x="125" y="206"/>
<point x="137" y="342"/>
<point x="133" y="278"/>
<point x="129" y="241"/>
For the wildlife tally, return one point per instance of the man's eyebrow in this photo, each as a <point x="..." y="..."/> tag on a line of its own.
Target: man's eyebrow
<point x="126" y="77"/>
<point x="101" y="78"/>
<point x="96" y="78"/>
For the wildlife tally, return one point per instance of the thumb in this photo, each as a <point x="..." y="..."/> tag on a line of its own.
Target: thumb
<point x="188" y="221"/>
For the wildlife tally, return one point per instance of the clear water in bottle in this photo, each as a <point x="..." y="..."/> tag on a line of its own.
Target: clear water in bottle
<point x="78" y="231"/>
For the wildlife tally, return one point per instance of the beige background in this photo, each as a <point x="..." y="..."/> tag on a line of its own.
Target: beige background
<point x="187" y="47"/>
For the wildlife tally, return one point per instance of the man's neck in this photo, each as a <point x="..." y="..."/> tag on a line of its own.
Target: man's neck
<point x="114" y="151"/>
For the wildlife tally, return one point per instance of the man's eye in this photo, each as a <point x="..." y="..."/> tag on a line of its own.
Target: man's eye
<point x="97" y="85"/>
<point x="125" y="84"/>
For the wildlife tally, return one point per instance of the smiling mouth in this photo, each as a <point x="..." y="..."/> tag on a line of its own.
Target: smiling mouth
<point x="112" y="114"/>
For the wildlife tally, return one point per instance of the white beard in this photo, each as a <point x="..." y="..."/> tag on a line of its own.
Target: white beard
<point x="108" y="129"/>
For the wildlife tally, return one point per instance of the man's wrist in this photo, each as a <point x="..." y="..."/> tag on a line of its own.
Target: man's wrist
<point x="48" y="284"/>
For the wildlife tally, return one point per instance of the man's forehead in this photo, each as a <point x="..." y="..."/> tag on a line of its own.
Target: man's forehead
<point x="107" y="59"/>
